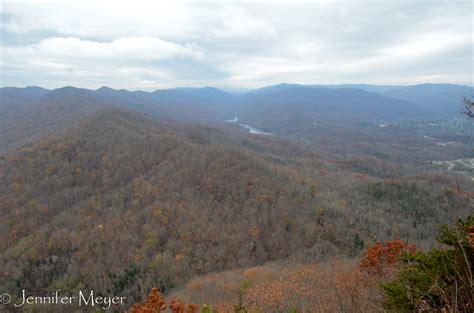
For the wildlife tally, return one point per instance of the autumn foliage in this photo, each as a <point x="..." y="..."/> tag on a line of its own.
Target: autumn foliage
<point x="380" y="257"/>
<point x="177" y="306"/>
<point x="437" y="280"/>
<point x="155" y="304"/>
<point x="333" y="286"/>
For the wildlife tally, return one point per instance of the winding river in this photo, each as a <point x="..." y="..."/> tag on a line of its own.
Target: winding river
<point x="251" y="129"/>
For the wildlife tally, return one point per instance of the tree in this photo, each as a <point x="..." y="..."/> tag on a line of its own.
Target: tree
<point x="440" y="280"/>
<point x="358" y="242"/>
<point x="240" y="307"/>
<point x="156" y="304"/>
<point x="380" y="257"/>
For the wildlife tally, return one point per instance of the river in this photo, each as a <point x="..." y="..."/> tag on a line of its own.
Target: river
<point x="251" y="129"/>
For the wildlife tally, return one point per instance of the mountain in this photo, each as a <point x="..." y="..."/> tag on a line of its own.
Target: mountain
<point x="15" y="100"/>
<point x="164" y="191"/>
<point x="438" y="98"/>
<point x="182" y="104"/>
<point x="32" y="112"/>
<point x="366" y="87"/>
<point x="195" y="104"/>
<point x="50" y="111"/>
<point x="435" y="98"/>
<point x="267" y="90"/>
<point x="289" y="108"/>
<point x="334" y="118"/>
<point x="122" y="191"/>
<point x="120" y="201"/>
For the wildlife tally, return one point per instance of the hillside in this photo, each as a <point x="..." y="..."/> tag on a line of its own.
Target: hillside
<point x="236" y="157"/>
<point x="285" y="108"/>
<point x="336" y="119"/>
<point x="50" y="111"/>
<point x="188" y="200"/>
<point x="13" y="101"/>
<point x="163" y="192"/>
<point x="443" y="99"/>
<point x="334" y="123"/>
<point x="32" y="112"/>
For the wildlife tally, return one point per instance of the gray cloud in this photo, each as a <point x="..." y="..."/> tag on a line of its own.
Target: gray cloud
<point x="148" y="45"/>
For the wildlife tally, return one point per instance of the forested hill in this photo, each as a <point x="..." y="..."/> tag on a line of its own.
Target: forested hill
<point x="29" y="113"/>
<point x="183" y="201"/>
<point x="290" y="108"/>
<point x="437" y="98"/>
<point x="286" y="110"/>
<point x="14" y="100"/>
<point x="122" y="202"/>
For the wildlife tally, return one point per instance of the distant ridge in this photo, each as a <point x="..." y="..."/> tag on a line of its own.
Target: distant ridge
<point x="367" y="87"/>
<point x="282" y="109"/>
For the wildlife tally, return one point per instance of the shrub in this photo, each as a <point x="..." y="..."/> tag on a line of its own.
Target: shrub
<point x="440" y="279"/>
<point x="381" y="257"/>
<point x="156" y="304"/>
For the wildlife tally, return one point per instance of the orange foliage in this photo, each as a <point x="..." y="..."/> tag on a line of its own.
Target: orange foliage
<point x="382" y="256"/>
<point x="330" y="287"/>
<point x="254" y="231"/>
<point x="177" y="306"/>
<point x="155" y="304"/>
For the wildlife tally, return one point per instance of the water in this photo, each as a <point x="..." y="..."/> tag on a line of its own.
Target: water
<point x="234" y="120"/>
<point x="251" y="129"/>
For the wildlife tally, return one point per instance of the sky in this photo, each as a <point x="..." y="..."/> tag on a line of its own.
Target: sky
<point x="148" y="45"/>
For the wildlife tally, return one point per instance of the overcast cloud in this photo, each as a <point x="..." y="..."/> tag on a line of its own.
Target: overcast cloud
<point x="149" y="45"/>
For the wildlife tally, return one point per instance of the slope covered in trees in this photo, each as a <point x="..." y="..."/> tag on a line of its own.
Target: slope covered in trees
<point x="182" y="200"/>
<point x="29" y="113"/>
<point x="364" y="131"/>
<point x="15" y="100"/>
<point x="341" y="119"/>
<point x="389" y="276"/>
<point x="186" y="200"/>
<point x="437" y="98"/>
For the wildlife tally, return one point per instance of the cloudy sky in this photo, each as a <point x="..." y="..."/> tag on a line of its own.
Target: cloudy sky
<point x="234" y="45"/>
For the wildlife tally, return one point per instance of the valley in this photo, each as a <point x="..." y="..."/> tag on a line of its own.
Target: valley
<point x="84" y="173"/>
<point x="236" y="156"/>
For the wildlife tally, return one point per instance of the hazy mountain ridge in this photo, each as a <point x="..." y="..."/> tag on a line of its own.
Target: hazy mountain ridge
<point x="14" y="100"/>
<point x="302" y="106"/>
<point x="286" y="108"/>
<point x="443" y="99"/>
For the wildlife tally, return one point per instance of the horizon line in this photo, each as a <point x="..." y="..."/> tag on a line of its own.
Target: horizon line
<point x="238" y="90"/>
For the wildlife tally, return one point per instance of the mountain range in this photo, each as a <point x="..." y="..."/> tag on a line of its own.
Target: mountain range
<point x="26" y="113"/>
<point x="123" y="191"/>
